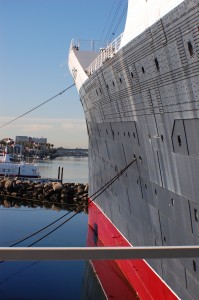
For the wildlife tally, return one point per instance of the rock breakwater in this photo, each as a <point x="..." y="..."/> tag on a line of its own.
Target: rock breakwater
<point x="68" y="196"/>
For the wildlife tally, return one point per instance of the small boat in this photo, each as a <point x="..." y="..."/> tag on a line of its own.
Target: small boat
<point x="22" y="169"/>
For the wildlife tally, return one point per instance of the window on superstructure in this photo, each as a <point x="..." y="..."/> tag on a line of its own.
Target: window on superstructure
<point x="132" y="74"/>
<point x="120" y="80"/>
<point x="190" y="48"/>
<point x="157" y="64"/>
<point x="113" y="83"/>
<point x="143" y="71"/>
<point x="97" y="92"/>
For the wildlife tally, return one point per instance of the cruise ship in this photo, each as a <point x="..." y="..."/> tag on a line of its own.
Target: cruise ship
<point x="140" y="96"/>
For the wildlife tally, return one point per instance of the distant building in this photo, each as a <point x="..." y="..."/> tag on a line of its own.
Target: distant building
<point x="28" y="139"/>
<point x="21" y="139"/>
<point x="39" y="140"/>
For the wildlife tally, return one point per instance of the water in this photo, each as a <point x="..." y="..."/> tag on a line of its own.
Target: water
<point x="74" y="169"/>
<point x="47" y="279"/>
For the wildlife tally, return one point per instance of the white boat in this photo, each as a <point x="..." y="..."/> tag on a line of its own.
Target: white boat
<point x="17" y="169"/>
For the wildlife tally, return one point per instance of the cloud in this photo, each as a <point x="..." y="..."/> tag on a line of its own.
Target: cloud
<point x="36" y="127"/>
<point x="60" y="132"/>
<point x="35" y="124"/>
<point x="74" y="124"/>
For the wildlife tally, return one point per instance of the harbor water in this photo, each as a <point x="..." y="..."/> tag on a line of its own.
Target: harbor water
<point x="44" y="279"/>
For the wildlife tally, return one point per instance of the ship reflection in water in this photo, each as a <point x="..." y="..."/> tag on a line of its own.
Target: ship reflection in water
<point x="105" y="273"/>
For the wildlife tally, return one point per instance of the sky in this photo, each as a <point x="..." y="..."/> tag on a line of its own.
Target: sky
<point x="35" y="37"/>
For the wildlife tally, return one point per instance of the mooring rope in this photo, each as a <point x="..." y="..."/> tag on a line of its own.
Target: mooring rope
<point x="100" y="191"/>
<point x="111" y="181"/>
<point x="69" y="87"/>
<point x="93" y="197"/>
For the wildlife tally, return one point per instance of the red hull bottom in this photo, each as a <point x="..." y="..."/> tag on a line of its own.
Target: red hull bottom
<point x="138" y="274"/>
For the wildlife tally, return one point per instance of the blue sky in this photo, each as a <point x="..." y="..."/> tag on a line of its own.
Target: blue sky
<point x="35" y="36"/>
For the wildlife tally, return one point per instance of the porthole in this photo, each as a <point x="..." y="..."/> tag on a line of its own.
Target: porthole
<point x="190" y="48"/>
<point x="157" y="64"/>
<point x="172" y="201"/>
<point x="196" y="214"/>
<point x="113" y="83"/>
<point x="155" y="192"/>
<point x="120" y="80"/>
<point x="162" y="138"/>
<point x="194" y="266"/>
<point x="143" y="71"/>
<point x="140" y="158"/>
<point x="128" y="134"/>
<point x="179" y="140"/>
<point x="134" y="135"/>
<point x="106" y="131"/>
<point x="132" y="74"/>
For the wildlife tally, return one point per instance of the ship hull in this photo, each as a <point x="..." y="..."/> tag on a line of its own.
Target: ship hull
<point x="145" y="283"/>
<point x="142" y="105"/>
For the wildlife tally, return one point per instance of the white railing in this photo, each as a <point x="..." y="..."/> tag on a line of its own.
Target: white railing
<point x="85" y="45"/>
<point x="96" y="253"/>
<point x="105" y="54"/>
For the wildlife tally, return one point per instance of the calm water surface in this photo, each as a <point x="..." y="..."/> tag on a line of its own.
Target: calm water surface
<point x="49" y="279"/>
